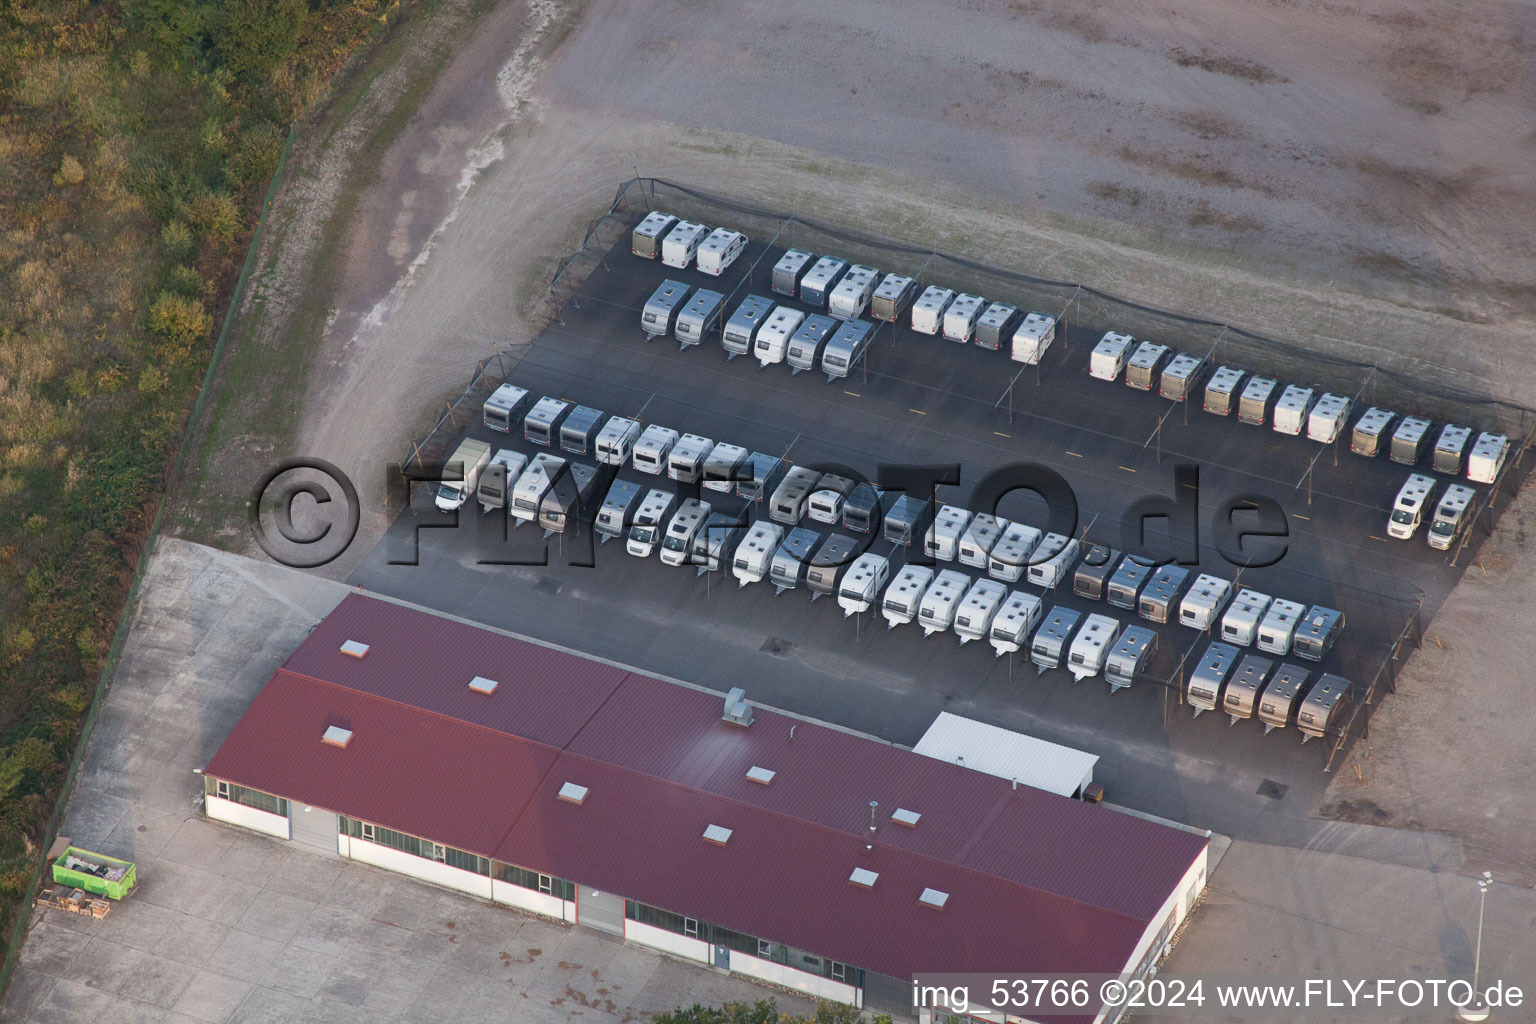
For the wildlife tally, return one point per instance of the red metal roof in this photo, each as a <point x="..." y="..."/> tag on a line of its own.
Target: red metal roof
<point x="1037" y="882"/>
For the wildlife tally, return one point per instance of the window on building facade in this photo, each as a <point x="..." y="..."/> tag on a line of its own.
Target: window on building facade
<point x="514" y="875"/>
<point x="253" y="798"/>
<point x="415" y="847"/>
<point x="690" y="927"/>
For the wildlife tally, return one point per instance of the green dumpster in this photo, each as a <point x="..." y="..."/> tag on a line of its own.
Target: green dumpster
<point x="94" y="872"/>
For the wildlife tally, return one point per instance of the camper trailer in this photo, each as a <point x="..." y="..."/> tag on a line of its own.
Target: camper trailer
<point x="682" y="244"/>
<point x="650" y="521"/>
<point x="1109" y="356"/>
<point x="1093" y="573"/>
<point x="808" y="341"/>
<point x="977" y="609"/>
<point x="1181" y="377"/>
<point x="787" y="502"/>
<point x="825" y="504"/>
<point x="1295" y="405"/>
<point x="772" y="343"/>
<point x="1203" y="691"/>
<point x="761" y="477"/>
<point x="1124" y="588"/>
<point x="645" y="239"/>
<point x="1243" y="690"/>
<point x="1449" y="516"/>
<point x="1278" y="627"/>
<point x="652" y="448"/>
<point x="1090" y="647"/>
<point x="659" y="315"/>
<point x="908" y="519"/>
<point x="1316" y="633"/>
<point x="861" y="507"/>
<point x="1409" y="440"/>
<point x="790" y="559"/>
<point x="1240" y="625"/>
<point x="900" y="602"/>
<point x="741" y="329"/>
<point x="1146" y="364"/>
<point x="1277" y="701"/>
<point x="1160" y="596"/>
<point x="791" y="268"/>
<point x="942" y="541"/>
<point x="683" y="530"/>
<point x="1221" y="390"/>
<point x="573" y="494"/>
<point x="1011" y="554"/>
<point x="1326" y="421"/>
<point x="497" y="479"/>
<point x="1257" y="400"/>
<point x="1127" y="656"/>
<point x="1322" y="707"/>
<point x="720" y="250"/>
<point x="817" y="284"/>
<point x="1033" y="337"/>
<point x="579" y="430"/>
<point x="505" y="403"/>
<point x="616" y="440"/>
<point x="960" y="317"/>
<point x="846" y="348"/>
<point x="699" y="318"/>
<point x="996" y="325"/>
<point x="1015" y="620"/>
<point x="542" y="424"/>
<point x="1409" y="505"/>
<point x="892" y="298"/>
<point x="1450" y="449"/>
<point x="936" y="613"/>
<point x="829" y="563"/>
<point x="714" y="546"/>
<point x="685" y="462"/>
<point x="1487" y="458"/>
<point x="862" y="583"/>
<point x="1370" y="430"/>
<point x="464" y="465"/>
<point x="724" y="467"/>
<point x="1057" y="552"/>
<point x="851" y="297"/>
<point x="1205" y="602"/>
<point x="1049" y="646"/>
<point x="754" y="554"/>
<point x="928" y="310"/>
<point x="978" y="540"/>
<point x="531" y="487"/>
<point x="618" y="510"/>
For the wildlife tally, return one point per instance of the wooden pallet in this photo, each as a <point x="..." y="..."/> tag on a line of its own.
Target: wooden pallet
<point x="75" y="901"/>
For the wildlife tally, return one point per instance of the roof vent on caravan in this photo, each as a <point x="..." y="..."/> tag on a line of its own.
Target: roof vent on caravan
<point x="737" y="710"/>
<point x="571" y="793"/>
<point x="760" y="775"/>
<point x="336" y="736"/>
<point x="933" y="898"/>
<point x="863" y="878"/>
<point x="480" y="684"/>
<point x="717" y="834"/>
<point x="902" y="816"/>
<point x="354" y="649"/>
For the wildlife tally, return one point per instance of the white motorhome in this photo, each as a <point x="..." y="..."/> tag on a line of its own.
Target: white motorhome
<point x="505" y="403"/>
<point x="1033" y="337"/>
<point x="862" y="583"/>
<point x="1240" y="625"/>
<point x="499" y="477"/>
<point x="1450" y="448"/>
<point x="825" y="504"/>
<point x="892" y="298"/>
<point x="754" y="554"/>
<point x="936" y="613"/>
<point x="1206" y="600"/>
<point x="1488" y="457"/>
<point x="943" y="538"/>
<point x="720" y="250"/>
<point x="978" y="540"/>
<point x="1291" y="414"/>
<point x="741" y="329"/>
<point x="1326" y="421"/>
<point x="1449" y="515"/>
<point x="616" y="440"/>
<point x="851" y="296"/>
<point x="1015" y="620"/>
<point x="787" y="502"/>
<point x="1370" y="430"/>
<point x="1278" y="627"/>
<point x="1010" y="556"/>
<point x="1057" y="553"/>
<point x="542" y="424"/>
<point x="928" y="310"/>
<point x="682" y="244"/>
<point x="1109" y="356"/>
<point x="905" y="594"/>
<point x="1090" y="647"/>
<point x="652" y="448"/>
<point x="960" y="317"/>
<point x="645" y="239"/>
<point x="817" y="284"/>
<point x="1256" y="401"/>
<point x="685" y="462"/>
<point x="723" y="467"/>
<point x="1145" y="364"/>
<point x="995" y="325"/>
<point x="1408" y="507"/>
<point x="792" y="266"/>
<point x="650" y="521"/>
<point x="977" y="609"/>
<point x="772" y="343"/>
<point x="683" y="530"/>
<point x="466" y="462"/>
<point x="659" y="315"/>
<point x="618" y="510"/>
<point x="536" y="480"/>
<point x="807" y="343"/>
<point x="699" y="318"/>
<point x="1221" y="390"/>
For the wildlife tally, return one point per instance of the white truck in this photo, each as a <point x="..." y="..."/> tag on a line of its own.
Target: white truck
<point x="466" y="462"/>
<point x="862" y="583"/>
<point x="645" y="532"/>
<point x="905" y="594"/>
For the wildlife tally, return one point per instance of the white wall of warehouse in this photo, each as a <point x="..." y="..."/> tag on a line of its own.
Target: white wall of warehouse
<point x="800" y="981"/>
<point x="420" y="867"/>
<point x="248" y="817"/>
<point x="671" y="942"/>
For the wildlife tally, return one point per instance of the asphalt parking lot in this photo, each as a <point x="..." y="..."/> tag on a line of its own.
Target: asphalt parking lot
<point x="923" y="400"/>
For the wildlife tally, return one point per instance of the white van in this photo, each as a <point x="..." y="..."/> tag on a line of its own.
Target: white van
<point x="928" y="310"/>
<point x="1057" y="553"/>
<point x="1014" y="621"/>
<point x="1408" y="507"/>
<point x="645" y="532"/>
<point x="1449" y="515"/>
<point x="1295" y="405"/>
<point x="616" y="440"/>
<point x="682" y="530"/>
<point x="1278" y="627"/>
<point x="653" y="447"/>
<point x="862" y="583"/>
<point x="1033" y="337"/>
<point x="905" y="594"/>
<point x="977" y="609"/>
<point x="682" y="244"/>
<point x="1487" y="458"/>
<point x="467" y="460"/>
<point x="720" y="250"/>
<point x="755" y="552"/>
<point x="851" y="297"/>
<point x="685" y="462"/>
<point x="943" y="539"/>
<point x="960" y="317"/>
<point x="773" y="337"/>
<point x="1109" y="356"/>
<point x="1326" y="422"/>
<point x="936" y="613"/>
<point x="1091" y="646"/>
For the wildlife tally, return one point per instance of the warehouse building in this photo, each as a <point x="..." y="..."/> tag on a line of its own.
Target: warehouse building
<point x="752" y="841"/>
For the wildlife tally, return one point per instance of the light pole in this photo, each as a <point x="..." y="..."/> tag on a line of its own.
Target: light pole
<point x="1478" y="1010"/>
